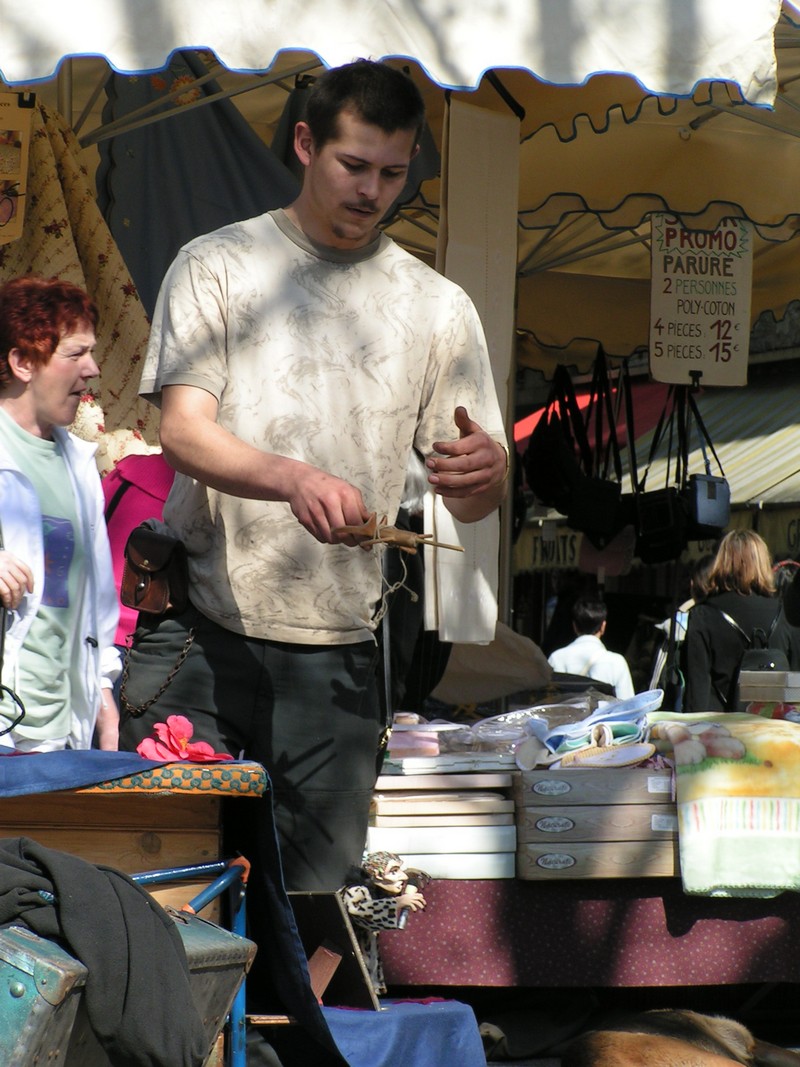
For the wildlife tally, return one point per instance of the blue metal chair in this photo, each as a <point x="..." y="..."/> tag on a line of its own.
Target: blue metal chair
<point x="229" y="873"/>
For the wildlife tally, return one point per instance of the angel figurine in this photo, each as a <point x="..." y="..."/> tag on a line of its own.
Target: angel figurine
<point x="383" y="893"/>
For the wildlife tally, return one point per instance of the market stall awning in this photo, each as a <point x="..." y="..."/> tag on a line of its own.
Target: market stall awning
<point x="588" y="189"/>
<point x="756" y="433"/>
<point x="560" y="64"/>
<point x="648" y="403"/>
<point x="669" y="48"/>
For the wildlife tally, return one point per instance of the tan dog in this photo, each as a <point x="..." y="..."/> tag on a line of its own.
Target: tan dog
<point x="675" y="1039"/>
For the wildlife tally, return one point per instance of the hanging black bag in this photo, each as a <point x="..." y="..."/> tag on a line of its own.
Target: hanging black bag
<point x="707" y="496"/>
<point x="615" y="555"/>
<point x="558" y="450"/>
<point x="661" y="525"/>
<point x="595" y="505"/>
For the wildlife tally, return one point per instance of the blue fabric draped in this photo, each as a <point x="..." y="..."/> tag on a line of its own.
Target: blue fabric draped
<point x="429" y="1034"/>
<point x="166" y="183"/>
<point x="45" y="772"/>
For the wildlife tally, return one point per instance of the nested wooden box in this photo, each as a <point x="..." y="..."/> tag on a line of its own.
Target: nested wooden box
<point x="779" y="686"/>
<point x="595" y="823"/>
<point x="159" y="818"/>
<point x="133" y="832"/>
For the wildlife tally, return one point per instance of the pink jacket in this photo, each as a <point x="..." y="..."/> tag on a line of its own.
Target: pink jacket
<point x="134" y="490"/>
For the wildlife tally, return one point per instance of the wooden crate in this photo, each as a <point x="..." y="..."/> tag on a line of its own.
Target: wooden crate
<point x="595" y="823"/>
<point x="770" y="686"/>
<point x="592" y="785"/>
<point x="133" y="832"/>
<point x="598" y="859"/>
<point x="162" y="817"/>
<point x="598" y="822"/>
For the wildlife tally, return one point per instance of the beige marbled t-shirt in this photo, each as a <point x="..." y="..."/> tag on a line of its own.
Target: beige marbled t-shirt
<point x="345" y="360"/>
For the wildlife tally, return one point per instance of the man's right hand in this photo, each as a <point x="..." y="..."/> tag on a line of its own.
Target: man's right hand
<point x="321" y="503"/>
<point x="195" y="444"/>
<point x="16" y="579"/>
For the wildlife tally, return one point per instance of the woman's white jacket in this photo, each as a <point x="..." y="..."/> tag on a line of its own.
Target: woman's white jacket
<point x="21" y="528"/>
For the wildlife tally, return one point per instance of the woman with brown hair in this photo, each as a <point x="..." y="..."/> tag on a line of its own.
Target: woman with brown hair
<point x="741" y="610"/>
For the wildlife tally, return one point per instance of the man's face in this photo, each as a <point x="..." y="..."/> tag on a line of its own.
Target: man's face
<point x="351" y="181"/>
<point x="55" y="389"/>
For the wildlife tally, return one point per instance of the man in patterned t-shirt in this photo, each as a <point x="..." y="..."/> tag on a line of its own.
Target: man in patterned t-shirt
<point x="299" y="358"/>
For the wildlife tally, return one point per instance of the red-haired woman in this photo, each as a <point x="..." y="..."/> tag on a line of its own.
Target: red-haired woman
<point x="56" y="579"/>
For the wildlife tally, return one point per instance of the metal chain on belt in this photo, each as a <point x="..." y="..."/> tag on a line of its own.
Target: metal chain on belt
<point x="137" y="711"/>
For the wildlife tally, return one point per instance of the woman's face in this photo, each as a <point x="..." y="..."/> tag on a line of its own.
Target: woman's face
<point x="54" y="389"/>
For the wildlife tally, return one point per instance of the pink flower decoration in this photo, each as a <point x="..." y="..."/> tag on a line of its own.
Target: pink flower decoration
<point x="172" y="743"/>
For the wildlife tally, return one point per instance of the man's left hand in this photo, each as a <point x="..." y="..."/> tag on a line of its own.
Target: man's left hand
<point x="470" y="465"/>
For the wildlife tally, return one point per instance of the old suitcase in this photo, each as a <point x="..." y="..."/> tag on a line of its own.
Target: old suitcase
<point x="42" y="1017"/>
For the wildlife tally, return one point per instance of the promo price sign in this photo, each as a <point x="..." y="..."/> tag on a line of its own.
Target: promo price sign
<point x="700" y="292"/>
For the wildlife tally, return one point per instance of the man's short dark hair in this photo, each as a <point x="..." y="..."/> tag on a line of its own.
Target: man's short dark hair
<point x="588" y="615"/>
<point x="377" y="93"/>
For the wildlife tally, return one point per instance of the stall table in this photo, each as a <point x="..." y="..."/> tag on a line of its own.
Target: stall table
<point x="162" y="816"/>
<point x="597" y="932"/>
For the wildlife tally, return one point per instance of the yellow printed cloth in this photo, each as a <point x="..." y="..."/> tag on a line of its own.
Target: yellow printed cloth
<point x="66" y="236"/>
<point x="738" y="799"/>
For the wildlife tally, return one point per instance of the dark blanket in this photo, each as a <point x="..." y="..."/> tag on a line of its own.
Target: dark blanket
<point x="129" y="944"/>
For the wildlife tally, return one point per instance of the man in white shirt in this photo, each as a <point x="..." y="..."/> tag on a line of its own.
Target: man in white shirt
<point x="587" y="655"/>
